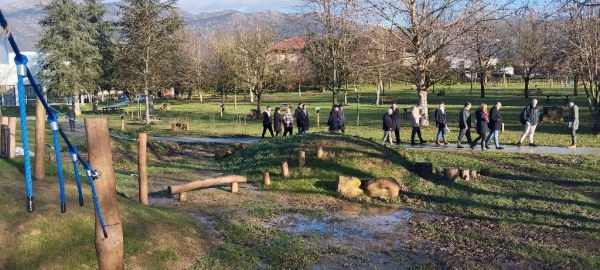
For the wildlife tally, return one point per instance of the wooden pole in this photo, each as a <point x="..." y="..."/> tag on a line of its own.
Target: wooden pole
<point x="175" y="189"/>
<point x="122" y="123"/>
<point x="142" y="168"/>
<point x="285" y="172"/>
<point x="40" y="141"/>
<point x="234" y="187"/>
<point x="109" y="251"/>
<point x="3" y="139"/>
<point x="266" y="179"/>
<point x="319" y="150"/>
<point x="301" y="158"/>
<point x="12" y="125"/>
<point x="318" y="119"/>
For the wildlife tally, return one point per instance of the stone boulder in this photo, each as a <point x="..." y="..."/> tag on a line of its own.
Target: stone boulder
<point x="382" y="188"/>
<point x="349" y="187"/>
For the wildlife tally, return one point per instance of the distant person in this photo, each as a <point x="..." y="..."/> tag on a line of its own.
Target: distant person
<point x="388" y="122"/>
<point x="483" y="121"/>
<point x="415" y="123"/>
<point x="288" y="123"/>
<point x="529" y="118"/>
<point x="335" y="119"/>
<point x="343" y="118"/>
<point x="222" y="108"/>
<point x="267" y="122"/>
<point x="299" y="115"/>
<point x="305" y="120"/>
<point x="71" y="116"/>
<point x="277" y="121"/>
<point x="495" y="126"/>
<point x="464" y="124"/>
<point x="573" y="123"/>
<point x="441" y="121"/>
<point x="396" y="124"/>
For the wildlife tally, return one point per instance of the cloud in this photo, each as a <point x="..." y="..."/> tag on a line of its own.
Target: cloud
<point x="195" y="6"/>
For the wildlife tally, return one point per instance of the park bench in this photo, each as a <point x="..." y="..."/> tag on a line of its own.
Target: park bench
<point x="549" y="98"/>
<point x="535" y="92"/>
<point x="111" y="109"/>
<point x="182" y="190"/>
<point x="153" y="119"/>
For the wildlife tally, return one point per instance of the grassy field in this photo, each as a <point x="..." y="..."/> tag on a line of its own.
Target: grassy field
<point x="531" y="211"/>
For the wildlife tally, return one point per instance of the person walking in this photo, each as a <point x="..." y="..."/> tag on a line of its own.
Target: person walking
<point x="495" y="126"/>
<point x="573" y="123"/>
<point x="464" y="124"/>
<point x="299" y="115"/>
<point x="441" y="121"/>
<point x="335" y="119"/>
<point x="288" y="123"/>
<point x="388" y="122"/>
<point x="483" y="120"/>
<point x="396" y="124"/>
<point x="267" y="122"/>
<point x="529" y="119"/>
<point x="305" y="119"/>
<point x="415" y="123"/>
<point x="71" y="117"/>
<point x="343" y="118"/>
<point x="277" y="121"/>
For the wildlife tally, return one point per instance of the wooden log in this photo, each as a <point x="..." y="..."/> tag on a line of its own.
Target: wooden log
<point x="175" y="189"/>
<point x="319" y="150"/>
<point x="3" y="139"/>
<point x="301" y="158"/>
<point x="465" y="174"/>
<point x="183" y="196"/>
<point x="473" y="174"/>
<point x="122" y="123"/>
<point x="234" y="187"/>
<point x="40" y="141"/>
<point x="285" y="172"/>
<point x="266" y="179"/>
<point x="450" y="174"/>
<point x="109" y="251"/>
<point x="12" y="140"/>
<point x="142" y="168"/>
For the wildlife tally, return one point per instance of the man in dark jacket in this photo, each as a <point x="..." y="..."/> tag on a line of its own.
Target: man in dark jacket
<point x="396" y="121"/>
<point x="335" y="119"/>
<point x="441" y="121"/>
<point x="305" y="120"/>
<point x="267" y="122"/>
<point x="464" y="124"/>
<point x="495" y="126"/>
<point x="388" y="122"/>
<point x="299" y="115"/>
<point x="531" y="115"/>
<point x="343" y="118"/>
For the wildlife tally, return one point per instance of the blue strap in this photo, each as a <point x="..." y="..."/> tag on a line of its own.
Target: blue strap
<point x="21" y="62"/>
<point x="74" y="157"/>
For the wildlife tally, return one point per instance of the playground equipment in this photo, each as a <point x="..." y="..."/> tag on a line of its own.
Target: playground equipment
<point x="231" y="179"/>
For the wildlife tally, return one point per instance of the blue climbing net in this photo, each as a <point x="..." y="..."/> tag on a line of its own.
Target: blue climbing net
<point x="22" y="72"/>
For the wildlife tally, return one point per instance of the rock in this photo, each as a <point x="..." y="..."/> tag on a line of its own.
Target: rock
<point x="349" y="187"/>
<point x="383" y="188"/>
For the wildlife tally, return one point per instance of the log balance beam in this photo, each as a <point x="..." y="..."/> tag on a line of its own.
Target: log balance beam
<point x="183" y="189"/>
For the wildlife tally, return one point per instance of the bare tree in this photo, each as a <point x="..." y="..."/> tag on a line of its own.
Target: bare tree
<point x="220" y="66"/>
<point x="193" y="53"/>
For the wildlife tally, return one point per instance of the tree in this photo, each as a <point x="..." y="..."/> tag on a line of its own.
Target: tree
<point x="72" y="60"/>
<point x="148" y="45"/>
<point x="103" y="38"/>
<point x="220" y="65"/>
<point x="190" y="62"/>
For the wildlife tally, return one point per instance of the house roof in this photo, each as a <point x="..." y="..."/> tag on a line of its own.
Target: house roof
<point x="290" y="44"/>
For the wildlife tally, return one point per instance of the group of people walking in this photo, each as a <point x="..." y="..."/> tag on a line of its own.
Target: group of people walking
<point x="285" y="121"/>
<point x="488" y="124"/>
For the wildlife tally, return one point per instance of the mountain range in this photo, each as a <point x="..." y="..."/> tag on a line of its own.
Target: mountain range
<point x="24" y="16"/>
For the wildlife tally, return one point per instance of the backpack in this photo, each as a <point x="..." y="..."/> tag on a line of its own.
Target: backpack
<point x="523" y="116"/>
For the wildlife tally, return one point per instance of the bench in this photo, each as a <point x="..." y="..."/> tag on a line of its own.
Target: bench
<point x="549" y="98"/>
<point x="535" y="92"/>
<point x="184" y="188"/>
<point x="111" y="109"/>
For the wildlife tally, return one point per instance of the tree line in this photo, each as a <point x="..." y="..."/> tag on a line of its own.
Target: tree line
<point x="423" y="42"/>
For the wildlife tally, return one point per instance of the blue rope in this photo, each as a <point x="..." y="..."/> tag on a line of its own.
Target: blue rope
<point x="74" y="156"/>
<point x="21" y="62"/>
<point x="92" y="175"/>
<point x="53" y="120"/>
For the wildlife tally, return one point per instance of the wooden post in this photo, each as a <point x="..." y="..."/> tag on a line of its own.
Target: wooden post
<point x="502" y="131"/>
<point x="473" y="173"/>
<point x="40" y="141"/>
<point x="183" y="196"/>
<point x="234" y="187"/>
<point x="318" y="119"/>
<point x="12" y="125"/>
<point x="319" y="150"/>
<point x="123" y="123"/>
<point x="465" y="174"/>
<point x="284" y="170"/>
<point x="266" y="179"/>
<point x="3" y="139"/>
<point x="450" y="174"/>
<point x="301" y="158"/>
<point x="109" y="251"/>
<point x="142" y="168"/>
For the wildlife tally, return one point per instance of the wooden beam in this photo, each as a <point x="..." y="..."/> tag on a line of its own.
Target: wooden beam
<point x="142" y="168"/>
<point x="40" y="141"/>
<point x="176" y="189"/>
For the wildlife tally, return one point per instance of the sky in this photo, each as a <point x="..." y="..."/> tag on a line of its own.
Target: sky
<point x="197" y="6"/>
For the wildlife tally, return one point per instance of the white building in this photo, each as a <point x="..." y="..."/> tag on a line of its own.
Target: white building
<point x="8" y="75"/>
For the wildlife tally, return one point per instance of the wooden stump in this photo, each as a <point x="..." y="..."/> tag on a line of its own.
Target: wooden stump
<point x="234" y="187"/>
<point x="473" y="174"/>
<point x="12" y="140"/>
<point x="465" y="174"/>
<point x="424" y="169"/>
<point x="183" y="196"/>
<point x="301" y="158"/>
<point x="450" y="174"/>
<point x="319" y="150"/>
<point x="266" y="179"/>
<point x="285" y="172"/>
<point x="122" y="123"/>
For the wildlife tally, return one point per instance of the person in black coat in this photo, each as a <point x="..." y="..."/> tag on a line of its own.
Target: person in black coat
<point x="305" y="120"/>
<point x="482" y="117"/>
<point x="396" y="124"/>
<point x="343" y="118"/>
<point x="277" y="121"/>
<point x="299" y="115"/>
<point x="441" y="121"/>
<point x="495" y="126"/>
<point x="335" y="119"/>
<point x="532" y="118"/>
<point x="464" y="124"/>
<point x="388" y="122"/>
<point x="267" y="122"/>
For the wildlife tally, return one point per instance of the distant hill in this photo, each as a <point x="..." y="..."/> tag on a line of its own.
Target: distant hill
<point x="23" y="18"/>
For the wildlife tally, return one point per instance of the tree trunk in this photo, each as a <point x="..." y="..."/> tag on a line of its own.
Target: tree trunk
<point x="575" y="85"/>
<point x="76" y="105"/>
<point x="258" y="103"/>
<point x="251" y="96"/>
<point x="526" y="79"/>
<point x="424" y="107"/>
<point x="482" y="83"/>
<point x="379" y="87"/>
